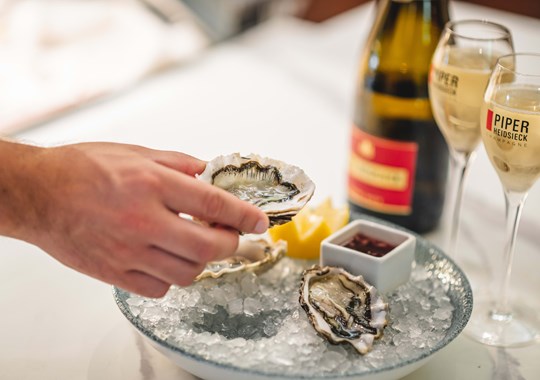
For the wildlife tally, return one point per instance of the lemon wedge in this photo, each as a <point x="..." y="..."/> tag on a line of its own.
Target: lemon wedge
<point x="309" y="228"/>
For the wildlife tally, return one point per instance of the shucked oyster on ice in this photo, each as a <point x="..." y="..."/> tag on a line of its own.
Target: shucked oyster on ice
<point x="342" y="307"/>
<point x="277" y="188"/>
<point x="252" y="255"/>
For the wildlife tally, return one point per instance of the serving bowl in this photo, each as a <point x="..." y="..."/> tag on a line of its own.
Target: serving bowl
<point x="202" y="351"/>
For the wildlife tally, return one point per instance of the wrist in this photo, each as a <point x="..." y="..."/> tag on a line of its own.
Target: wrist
<point x="20" y="192"/>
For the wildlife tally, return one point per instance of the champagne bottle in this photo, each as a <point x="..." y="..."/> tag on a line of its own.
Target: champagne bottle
<point x="399" y="159"/>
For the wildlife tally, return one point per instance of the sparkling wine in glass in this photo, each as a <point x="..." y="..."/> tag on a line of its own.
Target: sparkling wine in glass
<point x="460" y="69"/>
<point x="510" y="129"/>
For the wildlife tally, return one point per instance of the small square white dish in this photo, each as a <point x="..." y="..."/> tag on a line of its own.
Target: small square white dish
<point x="385" y="273"/>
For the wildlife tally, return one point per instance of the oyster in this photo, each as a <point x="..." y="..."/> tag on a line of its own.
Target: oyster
<point x="252" y="255"/>
<point x="279" y="189"/>
<point x="342" y="307"/>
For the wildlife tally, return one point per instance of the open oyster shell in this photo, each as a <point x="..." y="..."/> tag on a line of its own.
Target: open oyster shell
<point x="342" y="307"/>
<point x="252" y="255"/>
<point x="277" y="188"/>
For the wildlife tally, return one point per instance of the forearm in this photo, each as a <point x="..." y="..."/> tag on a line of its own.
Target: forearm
<point x="19" y="188"/>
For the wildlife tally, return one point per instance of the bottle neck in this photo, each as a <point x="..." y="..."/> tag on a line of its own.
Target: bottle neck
<point x="398" y="51"/>
<point x="406" y="32"/>
<point x="429" y="11"/>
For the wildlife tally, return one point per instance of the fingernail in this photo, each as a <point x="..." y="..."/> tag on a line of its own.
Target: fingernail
<point x="261" y="227"/>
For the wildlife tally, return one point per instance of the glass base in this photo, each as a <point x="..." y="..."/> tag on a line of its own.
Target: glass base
<point x="519" y="328"/>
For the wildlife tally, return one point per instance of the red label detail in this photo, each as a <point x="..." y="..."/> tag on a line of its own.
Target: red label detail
<point x="381" y="173"/>
<point x="489" y="120"/>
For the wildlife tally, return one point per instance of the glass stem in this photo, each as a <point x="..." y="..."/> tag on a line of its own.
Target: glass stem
<point x="459" y="166"/>
<point x="514" y="205"/>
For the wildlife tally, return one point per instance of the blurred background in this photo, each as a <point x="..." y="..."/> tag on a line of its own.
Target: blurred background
<point x="57" y="55"/>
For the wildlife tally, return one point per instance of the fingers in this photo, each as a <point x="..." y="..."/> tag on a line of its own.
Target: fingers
<point x="155" y="269"/>
<point x="193" y="242"/>
<point x="143" y="284"/>
<point x="184" y="249"/>
<point x="174" y="160"/>
<point x="180" y="162"/>
<point x="215" y="205"/>
<point x="168" y="268"/>
<point x="212" y="204"/>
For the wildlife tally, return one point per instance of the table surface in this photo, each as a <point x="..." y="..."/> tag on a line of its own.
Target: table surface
<point x="283" y="90"/>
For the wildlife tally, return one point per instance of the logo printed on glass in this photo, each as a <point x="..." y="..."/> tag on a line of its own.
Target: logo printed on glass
<point x="507" y="126"/>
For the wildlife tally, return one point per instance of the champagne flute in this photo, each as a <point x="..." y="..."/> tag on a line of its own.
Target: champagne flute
<point x="462" y="62"/>
<point x="510" y="125"/>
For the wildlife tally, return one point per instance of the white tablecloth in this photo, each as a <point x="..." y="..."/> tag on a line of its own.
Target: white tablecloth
<point x="283" y="90"/>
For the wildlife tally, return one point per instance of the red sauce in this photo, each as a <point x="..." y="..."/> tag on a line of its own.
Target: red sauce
<point x="369" y="245"/>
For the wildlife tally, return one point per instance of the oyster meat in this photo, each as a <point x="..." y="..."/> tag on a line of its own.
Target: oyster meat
<point x="252" y="255"/>
<point x="342" y="307"/>
<point x="277" y="188"/>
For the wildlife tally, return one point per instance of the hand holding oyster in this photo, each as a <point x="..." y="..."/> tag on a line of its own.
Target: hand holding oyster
<point x="277" y="188"/>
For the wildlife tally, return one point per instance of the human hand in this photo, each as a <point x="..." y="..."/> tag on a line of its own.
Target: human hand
<point x="111" y="211"/>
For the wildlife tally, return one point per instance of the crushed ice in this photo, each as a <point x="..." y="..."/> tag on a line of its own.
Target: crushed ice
<point x="255" y="322"/>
